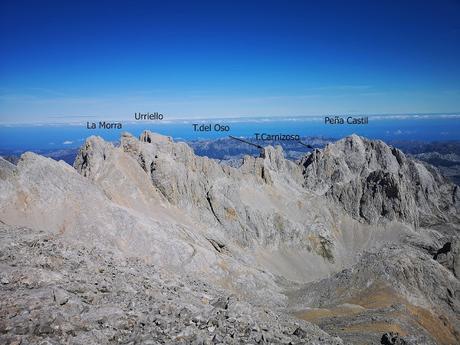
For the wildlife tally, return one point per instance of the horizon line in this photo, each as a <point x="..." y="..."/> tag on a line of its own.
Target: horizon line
<point x="241" y="118"/>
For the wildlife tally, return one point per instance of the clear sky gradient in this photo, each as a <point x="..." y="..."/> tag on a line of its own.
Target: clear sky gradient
<point x="60" y="59"/>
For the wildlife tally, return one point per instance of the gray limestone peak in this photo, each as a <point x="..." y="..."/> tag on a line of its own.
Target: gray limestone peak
<point x="373" y="182"/>
<point x="92" y="155"/>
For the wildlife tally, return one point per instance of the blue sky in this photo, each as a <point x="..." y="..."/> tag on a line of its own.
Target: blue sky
<point x="109" y="59"/>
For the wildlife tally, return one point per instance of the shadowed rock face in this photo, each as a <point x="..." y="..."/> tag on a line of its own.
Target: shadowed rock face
<point x="374" y="182"/>
<point x="273" y="233"/>
<point x="449" y="256"/>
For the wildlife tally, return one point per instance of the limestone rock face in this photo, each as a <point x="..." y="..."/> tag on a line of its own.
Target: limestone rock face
<point x="6" y="168"/>
<point x="49" y="195"/>
<point x="373" y="182"/>
<point x="219" y="194"/>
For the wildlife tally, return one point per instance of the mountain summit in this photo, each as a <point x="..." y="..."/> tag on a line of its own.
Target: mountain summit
<point x="373" y="181"/>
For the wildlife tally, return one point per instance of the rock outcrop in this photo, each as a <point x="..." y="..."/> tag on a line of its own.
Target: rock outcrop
<point x="373" y="182"/>
<point x="399" y="286"/>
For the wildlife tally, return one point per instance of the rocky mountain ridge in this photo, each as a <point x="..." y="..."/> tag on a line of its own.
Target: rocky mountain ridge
<point x="266" y="232"/>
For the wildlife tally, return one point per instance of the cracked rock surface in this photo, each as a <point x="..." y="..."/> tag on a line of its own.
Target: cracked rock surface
<point x="55" y="293"/>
